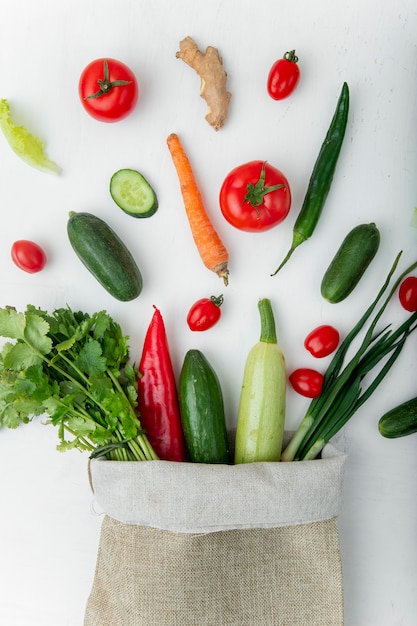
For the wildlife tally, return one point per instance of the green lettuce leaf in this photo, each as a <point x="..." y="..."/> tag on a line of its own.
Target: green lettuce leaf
<point x="25" y="145"/>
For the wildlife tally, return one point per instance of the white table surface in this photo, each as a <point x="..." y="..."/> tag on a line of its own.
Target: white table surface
<point x="49" y="529"/>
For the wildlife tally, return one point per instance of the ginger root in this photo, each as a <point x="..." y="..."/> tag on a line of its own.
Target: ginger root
<point x="209" y="66"/>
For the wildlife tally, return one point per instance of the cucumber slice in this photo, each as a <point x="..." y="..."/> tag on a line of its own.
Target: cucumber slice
<point x="132" y="193"/>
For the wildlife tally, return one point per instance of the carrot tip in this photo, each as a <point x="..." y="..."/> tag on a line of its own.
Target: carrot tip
<point x="223" y="272"/>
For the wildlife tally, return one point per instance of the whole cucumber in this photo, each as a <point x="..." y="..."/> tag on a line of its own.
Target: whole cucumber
<point x="350" y="262"/>
<point x="399" y="421"/>
<point x="105" y="255"/>
<point x="202" y="410"/>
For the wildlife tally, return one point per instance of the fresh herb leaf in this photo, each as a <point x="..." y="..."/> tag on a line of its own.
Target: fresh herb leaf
<point x="12" y="323"/>
<point x="74" y="368"/>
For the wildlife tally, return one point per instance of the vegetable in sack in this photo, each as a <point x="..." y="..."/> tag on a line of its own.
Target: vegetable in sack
<point x="28" y="256"/>
<point x="400" y="421"/>
<point x="105" y="255"/>
<point x="350" y="262"/>
<point x="108" y="90"/>
<point x="202" y="410"/>
<point x="321" y="177"/>
<point x="27" y="146"/>
<point x="262" y="405"/>
<point x="255" y="197"/>
<point x="344" y="388"/>
<point x="158" y="405"/>
<point x="132" y="193"/>
<point x="204" y="313"/>
<point x="75" y="368"/>
<point x="283" y="76"/>
<point x="209" y="245"/>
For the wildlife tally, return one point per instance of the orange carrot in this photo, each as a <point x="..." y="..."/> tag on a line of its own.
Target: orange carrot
<point x="209" y="245"/>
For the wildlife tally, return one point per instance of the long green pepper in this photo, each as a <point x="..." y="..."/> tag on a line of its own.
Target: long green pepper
<point x="321" y="177"/>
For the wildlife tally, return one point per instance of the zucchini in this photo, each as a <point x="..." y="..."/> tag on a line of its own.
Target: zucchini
<point x="104" y="254"/>
<point x="262" y="405"/>
<point x="399" y="421"/>
<point x="350" y="262"/>
<point x="132" y="193"/>
<point x="202" y="410"/>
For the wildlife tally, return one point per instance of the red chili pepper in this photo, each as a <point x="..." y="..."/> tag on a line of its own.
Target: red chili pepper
<point x="157" y="394"/>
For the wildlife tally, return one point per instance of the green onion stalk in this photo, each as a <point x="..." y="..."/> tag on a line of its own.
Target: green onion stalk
<point x="343" y="392"/>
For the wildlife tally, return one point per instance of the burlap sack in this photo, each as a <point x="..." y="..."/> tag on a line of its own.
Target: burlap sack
<point x="187" y="544"/>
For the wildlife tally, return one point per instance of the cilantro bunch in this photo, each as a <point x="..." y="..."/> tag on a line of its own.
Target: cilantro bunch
<point x="74" y="368"/>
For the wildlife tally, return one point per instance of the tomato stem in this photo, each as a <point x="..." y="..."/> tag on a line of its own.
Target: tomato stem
<point x="217" y="300"/>
<point x="107" y="85"/>
<point x="291" y="56"/>
<point x="255" y="193"/>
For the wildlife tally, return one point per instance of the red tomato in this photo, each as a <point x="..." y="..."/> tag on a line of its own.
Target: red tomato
<point x="255" y="197"/>
<point x="283" y="76"/>
<point x="408" y="293"/>
<point x="307" y="382"/>
<point x="204" y="313"/>
<point x="28" y="256"/>
<point x="108" y="90"/>
<point x="322" y="341"/>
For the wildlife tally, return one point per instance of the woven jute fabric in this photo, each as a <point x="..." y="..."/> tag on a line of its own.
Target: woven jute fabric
<point x="287" y="576"/>
<point x="186" y="544"/>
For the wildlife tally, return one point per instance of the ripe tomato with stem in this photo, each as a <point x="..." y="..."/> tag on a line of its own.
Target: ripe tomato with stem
<point x="108" y="90"/>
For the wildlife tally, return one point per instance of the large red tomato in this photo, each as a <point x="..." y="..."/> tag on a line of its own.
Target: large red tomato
<point x="108" y="90"/>
<point x="255" y="196"/>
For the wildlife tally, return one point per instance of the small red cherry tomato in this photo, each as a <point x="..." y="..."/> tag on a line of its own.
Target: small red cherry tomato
<point x="255" y="196"/>
<point x="283" y="76"/>
<point x="108" y="90"/>
<point x="204" y="313"/>
<point x="307" y="382"/>
<point x="408" y="293"/>
<point x="28" y="256"/>
<point x="322" y="341"/>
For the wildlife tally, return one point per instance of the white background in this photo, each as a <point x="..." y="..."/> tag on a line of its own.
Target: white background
<point x="49" y="529"/>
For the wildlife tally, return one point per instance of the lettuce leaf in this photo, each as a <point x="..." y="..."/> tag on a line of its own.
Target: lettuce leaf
<point x="23" y="143"/>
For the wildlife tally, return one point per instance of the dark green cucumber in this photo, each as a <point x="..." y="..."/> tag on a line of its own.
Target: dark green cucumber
<point x="105" y="255"/>
<point x="202" y="410"/>
<point x="350" y="262"/>
<point x="399" y="421"/>
<point x="132" y="193"/>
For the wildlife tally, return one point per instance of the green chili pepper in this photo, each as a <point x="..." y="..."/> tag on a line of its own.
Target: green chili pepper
<point x="321" y="177"/>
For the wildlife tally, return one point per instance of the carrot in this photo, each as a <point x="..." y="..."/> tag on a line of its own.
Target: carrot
<point x="209" y="245"/>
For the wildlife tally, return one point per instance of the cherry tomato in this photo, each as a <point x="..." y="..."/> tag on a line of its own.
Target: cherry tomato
<point x="28" y="256"/>
<point x="408" y="293"/>
<point x="283" y="76"/>
<point x="307" y="382"/>
<point x="255" y="197"/>
<point x="204" y="313"/>
<point x="322" y="341"/>
<point x="108" y="90"/>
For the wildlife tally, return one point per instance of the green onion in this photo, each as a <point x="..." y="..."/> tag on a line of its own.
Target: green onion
<point x="343" y="393"/>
